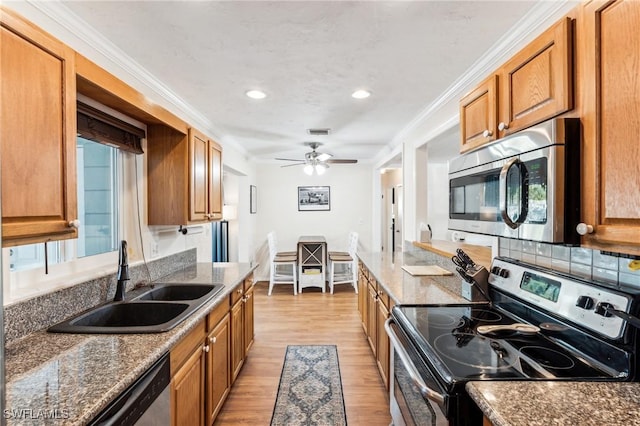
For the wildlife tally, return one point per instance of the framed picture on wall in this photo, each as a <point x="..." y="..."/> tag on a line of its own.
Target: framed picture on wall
<point x="314" y="198"/>
<point x="253" y="199"/>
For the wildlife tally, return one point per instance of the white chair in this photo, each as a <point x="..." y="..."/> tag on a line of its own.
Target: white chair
<point x="283" y="267"/>
<point x="343" y="266"/>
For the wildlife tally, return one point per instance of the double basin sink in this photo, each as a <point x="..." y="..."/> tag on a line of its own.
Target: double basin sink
<point x="155" y="311"/>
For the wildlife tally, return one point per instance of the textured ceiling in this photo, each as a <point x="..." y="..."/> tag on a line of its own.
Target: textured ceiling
<point x="308" y="57"/>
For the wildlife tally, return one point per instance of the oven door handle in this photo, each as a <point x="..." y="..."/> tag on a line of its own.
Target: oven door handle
<point x="425" y="390"/>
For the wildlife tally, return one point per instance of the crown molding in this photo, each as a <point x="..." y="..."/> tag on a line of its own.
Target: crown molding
<point x="531" y="24"/>
<point x="78" y="28"/>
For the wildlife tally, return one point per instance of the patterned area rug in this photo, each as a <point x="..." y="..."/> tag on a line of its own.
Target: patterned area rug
<point x="310" y="391"/>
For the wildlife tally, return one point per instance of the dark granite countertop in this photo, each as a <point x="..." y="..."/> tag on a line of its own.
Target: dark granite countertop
<point x="405" y="288"/>
<point x="542" y="403"/>
<point x="74" y="376"/>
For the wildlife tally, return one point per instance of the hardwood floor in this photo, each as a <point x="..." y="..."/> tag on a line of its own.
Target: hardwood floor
<point x="310" y="318"/>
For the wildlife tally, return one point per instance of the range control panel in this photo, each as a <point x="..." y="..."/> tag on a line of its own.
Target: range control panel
<point x="578" y="301"/>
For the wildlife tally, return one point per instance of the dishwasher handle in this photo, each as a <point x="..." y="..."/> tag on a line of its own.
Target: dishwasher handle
<point x="425" y="390"/>
<point x="134" y="401"/>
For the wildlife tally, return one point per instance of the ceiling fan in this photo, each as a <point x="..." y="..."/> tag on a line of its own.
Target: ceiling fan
<point x="316" y="161"/>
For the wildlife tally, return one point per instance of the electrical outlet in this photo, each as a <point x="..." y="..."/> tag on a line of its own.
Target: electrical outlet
<point x="155" y="250"/>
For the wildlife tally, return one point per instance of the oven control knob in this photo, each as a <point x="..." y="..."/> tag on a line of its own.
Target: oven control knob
<point x="504" y="273"/>
<point x="601" y="309"/>
<point x="495" y="270"/>
<point x="585" y="302"/>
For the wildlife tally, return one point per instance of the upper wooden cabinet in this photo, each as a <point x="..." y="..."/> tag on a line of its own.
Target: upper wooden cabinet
<point x="478" y="112"/>
<point x="536" y="84"/>
<point x="37" y="134"/>
<point x="608" y="58"/>
<point x="184" y="177"/>
<point x="205" y="158"/>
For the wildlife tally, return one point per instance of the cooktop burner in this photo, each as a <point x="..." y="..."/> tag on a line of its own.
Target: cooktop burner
<point x="447" y="335"/>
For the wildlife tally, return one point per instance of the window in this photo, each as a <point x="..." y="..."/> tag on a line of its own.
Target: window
<point x="98" y="173"/>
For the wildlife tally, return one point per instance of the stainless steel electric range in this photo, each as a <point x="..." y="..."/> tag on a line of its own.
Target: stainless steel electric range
<point x="537" y="325"/>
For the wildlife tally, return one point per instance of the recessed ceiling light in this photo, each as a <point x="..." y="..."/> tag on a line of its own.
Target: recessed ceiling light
<point x="256" y="94"/>
<point x="361" y="94"/>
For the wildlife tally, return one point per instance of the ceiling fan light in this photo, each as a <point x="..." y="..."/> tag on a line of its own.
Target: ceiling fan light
<point x="320" y="169"/>
<point x="324" y="156"/>
<point x="308" y="169"/>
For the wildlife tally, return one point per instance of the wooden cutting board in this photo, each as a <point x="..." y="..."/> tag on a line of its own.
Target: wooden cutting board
<point x="426" y="270"/>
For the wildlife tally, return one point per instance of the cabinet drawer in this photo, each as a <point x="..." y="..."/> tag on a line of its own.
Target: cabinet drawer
<point x="216" y="315"/>
<point x="181" y="352"/>
<point x="383" y="296"/>
<point x="236" y="294"/>
<point x="248" y="282"/>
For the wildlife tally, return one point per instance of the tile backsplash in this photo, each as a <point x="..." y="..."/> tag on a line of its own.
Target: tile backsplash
<point x="579" y="261"/>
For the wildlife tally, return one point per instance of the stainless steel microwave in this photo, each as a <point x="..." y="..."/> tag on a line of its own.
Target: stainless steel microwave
<point x="525" y="186"/>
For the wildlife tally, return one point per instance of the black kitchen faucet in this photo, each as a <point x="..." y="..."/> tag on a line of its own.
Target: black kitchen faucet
<point x="123" y="272"/>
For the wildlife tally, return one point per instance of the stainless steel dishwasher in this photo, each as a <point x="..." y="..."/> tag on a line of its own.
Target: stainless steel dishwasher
<point x="145" y="403"/>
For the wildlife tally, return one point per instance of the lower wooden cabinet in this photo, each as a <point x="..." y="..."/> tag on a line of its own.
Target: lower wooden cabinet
<point x="206" y="362"/>
<point x="188" y="378"/>
<point x="218" y="372"/>
<point x="237" y="339"/>
<point x="375" y="308"/>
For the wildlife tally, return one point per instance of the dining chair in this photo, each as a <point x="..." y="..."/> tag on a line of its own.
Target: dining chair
<point x="343" y="266"/>
<point x="283" y="266"/>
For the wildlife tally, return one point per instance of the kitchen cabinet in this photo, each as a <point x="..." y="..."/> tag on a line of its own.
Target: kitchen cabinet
<point x="382" y="342"/>
<point x="608" y="57"/>
<point x="536" y="84"/>
<point x="237" y="331"/>
<point x="37" y="134"/>
<point x="478" y="113"/>
<point x="205" y="158"/>
<point x="218" y="360"/>
<point x="376" y="305"/>
<point x="188" y="378"/>
<point x="372" y="330"/>
<point x="248" y="315"/>
<point x="362" y="296"/>
<point x="184" y="175"/>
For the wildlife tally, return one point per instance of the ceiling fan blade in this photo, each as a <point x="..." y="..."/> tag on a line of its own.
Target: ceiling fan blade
<point x="294" y="164"/>
<point x="341" y="161"/>
<point x="289" y="159"/>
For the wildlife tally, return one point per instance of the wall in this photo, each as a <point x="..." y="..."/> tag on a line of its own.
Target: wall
<point x="351" y="201"/>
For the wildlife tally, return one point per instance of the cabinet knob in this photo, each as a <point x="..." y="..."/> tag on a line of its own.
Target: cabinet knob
<point x="487" y="133"/>
<point x="239" y="291"/>
<point x="584" y="229"/>
<point x="503" y="126"/>
<point x="205" y="348"/>
<point x="213" y="339"/>
<point x="75" y="223"/>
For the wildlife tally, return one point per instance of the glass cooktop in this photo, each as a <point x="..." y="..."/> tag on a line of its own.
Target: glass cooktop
<point x="447" y="337"/>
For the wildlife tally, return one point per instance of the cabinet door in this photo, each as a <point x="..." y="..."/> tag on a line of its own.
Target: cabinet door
<point x="362" y="298"/>
<point x="248" y="321"/>
<point x="537" y="83"/>
<point x="478" y="113"/>
<point x="610" y="53"/>
<point x="371" y="318"/>
<point x="37" y="134"/>
<point x="215" y="181"/>
<point x="187" y="391"/>
<point x="199" y="172"/>
<point x="237" y="339"/>
<point x="383" y="344"/>
<point x="218" y="374"/>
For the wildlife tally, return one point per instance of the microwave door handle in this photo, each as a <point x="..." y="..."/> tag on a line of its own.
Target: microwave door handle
<point x="425" y="390"/>
<point x="503" y="196"/>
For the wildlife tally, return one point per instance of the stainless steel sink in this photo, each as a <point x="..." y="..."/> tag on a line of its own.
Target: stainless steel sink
<point x="154" y="311"/>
